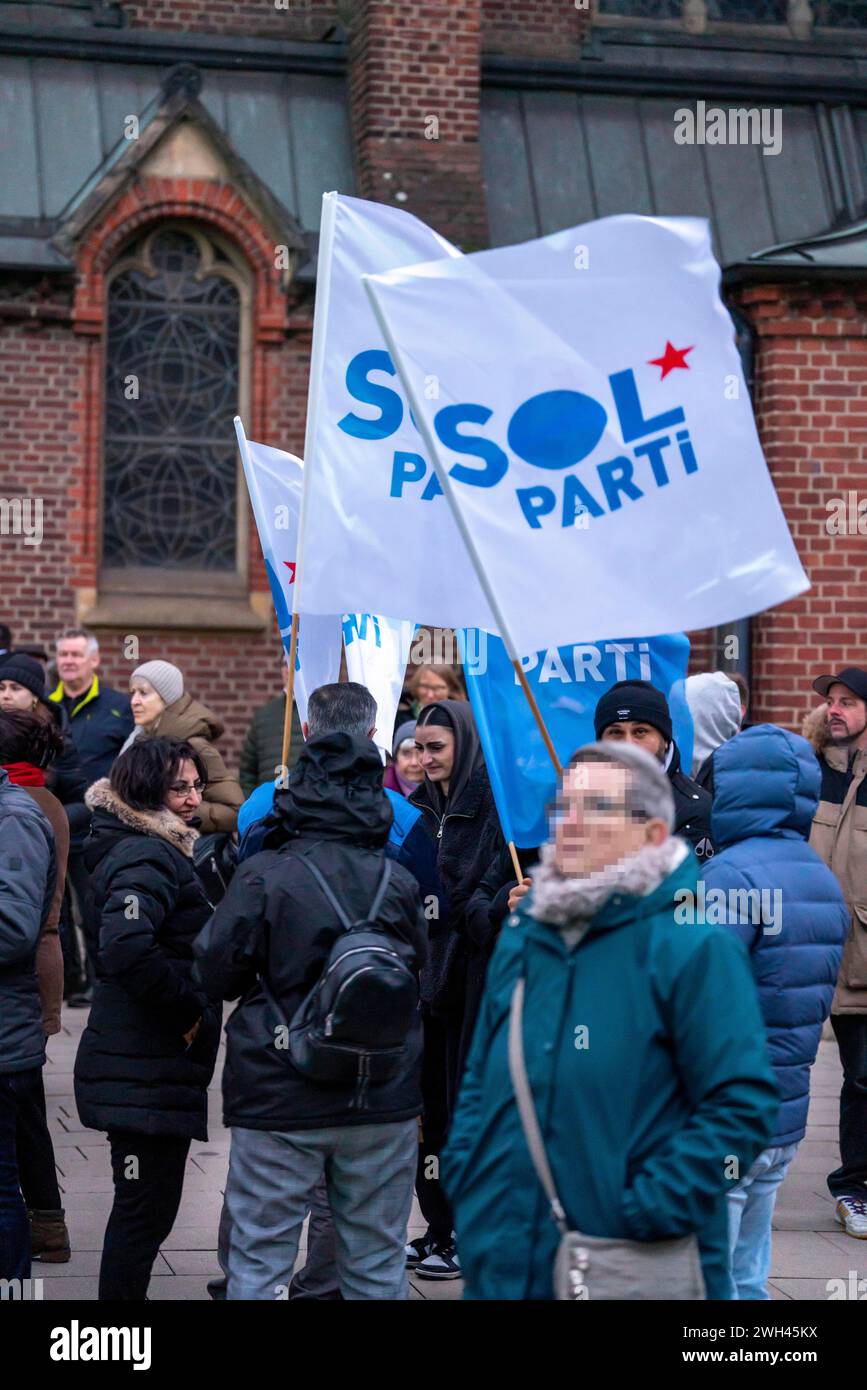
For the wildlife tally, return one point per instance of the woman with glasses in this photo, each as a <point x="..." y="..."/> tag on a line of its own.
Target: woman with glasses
<point x="148" y="1052"/>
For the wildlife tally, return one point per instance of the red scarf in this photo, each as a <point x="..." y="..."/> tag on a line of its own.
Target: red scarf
<point x="25" y="774"/>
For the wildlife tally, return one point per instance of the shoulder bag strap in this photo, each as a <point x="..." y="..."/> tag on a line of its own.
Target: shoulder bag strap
<point x="384" y="880"/>
<point x="527" y="1108"/>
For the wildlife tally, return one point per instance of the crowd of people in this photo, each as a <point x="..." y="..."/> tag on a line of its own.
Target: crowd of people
<point x="589" y="1060"/>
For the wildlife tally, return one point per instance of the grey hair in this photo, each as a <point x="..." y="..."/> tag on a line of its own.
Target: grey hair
<point x="343" y="708"/>
<point x="648" y="792"/>
<point x="69" y="632"/>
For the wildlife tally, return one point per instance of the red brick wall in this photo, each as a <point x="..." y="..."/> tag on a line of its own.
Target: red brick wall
<point x="414" y="91"/>
<point x="296" y="19"/>
<point x="811" y="408"/>
<point x="535" y="28"/>
<point x="42" y="387"/>
<point x="41" y="384"/>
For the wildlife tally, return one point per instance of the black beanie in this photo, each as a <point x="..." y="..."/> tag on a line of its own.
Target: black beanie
<point x="24" y="670"/>
<point x="634" y="700"/>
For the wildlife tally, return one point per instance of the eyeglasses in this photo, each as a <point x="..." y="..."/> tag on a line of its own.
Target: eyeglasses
<point x="184" y="788"/>
<point x="432" y="689"/>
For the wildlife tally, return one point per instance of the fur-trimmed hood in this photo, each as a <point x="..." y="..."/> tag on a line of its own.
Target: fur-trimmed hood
<point x="163" y="823"/>
<point x="815" y="729"/>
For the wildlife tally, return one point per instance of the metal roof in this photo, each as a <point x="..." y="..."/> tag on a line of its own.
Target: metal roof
<point x="60" y="119"/>
<point x="555" y="158"/>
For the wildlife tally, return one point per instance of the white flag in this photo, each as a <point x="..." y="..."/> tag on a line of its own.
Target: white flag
<point x="377" y="651"/>
<point x="274" y="484"/>
<point x="593" y="431"/>
<point x="376" y="533"/>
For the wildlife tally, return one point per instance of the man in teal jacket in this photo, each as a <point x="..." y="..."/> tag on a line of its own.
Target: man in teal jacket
<point x="644" y="1043"/>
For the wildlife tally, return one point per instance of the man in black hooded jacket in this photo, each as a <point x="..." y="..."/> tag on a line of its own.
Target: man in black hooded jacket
<point x="287" y="1130"/>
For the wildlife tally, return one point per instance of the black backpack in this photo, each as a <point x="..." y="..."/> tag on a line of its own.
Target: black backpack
<point x="215" y="859"/>
<point x="354" y="1024"/>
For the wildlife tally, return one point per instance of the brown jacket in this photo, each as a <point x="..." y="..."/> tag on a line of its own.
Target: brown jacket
<point x="839" y="835"/>
<point x="49" y="956"/>
<point x="190" y="720"/>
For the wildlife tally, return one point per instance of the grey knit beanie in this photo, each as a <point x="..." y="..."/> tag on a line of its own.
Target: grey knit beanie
<point x="165" y="678"/>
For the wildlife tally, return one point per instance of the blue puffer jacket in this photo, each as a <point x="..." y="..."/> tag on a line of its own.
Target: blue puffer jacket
<point x="766" y="791"/>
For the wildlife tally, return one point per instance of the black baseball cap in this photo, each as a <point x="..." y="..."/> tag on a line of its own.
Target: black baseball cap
<point x="853" y="678"/>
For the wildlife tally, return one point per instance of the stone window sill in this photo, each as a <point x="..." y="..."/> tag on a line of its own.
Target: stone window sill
<point x="221" y="613"/>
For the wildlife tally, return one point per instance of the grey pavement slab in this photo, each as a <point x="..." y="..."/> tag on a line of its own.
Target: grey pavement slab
<point x="809" y="1249"/>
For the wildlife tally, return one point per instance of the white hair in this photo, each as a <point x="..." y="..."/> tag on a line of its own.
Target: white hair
<point x="74" y="632"/>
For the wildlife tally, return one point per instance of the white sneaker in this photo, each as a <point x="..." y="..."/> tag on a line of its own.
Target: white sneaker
<point x="852" y="1215"/>
<point x="442" y="1263"/>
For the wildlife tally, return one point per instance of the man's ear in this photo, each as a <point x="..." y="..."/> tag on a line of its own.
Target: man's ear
<point x="371" y="731"/>
<point x="305" y="729"/>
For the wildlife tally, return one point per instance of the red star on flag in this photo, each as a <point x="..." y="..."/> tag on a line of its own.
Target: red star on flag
<point x="671" y="358"/>
<point x="290" y="565"/>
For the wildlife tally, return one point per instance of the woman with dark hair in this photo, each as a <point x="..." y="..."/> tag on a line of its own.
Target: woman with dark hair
<point x="29" y="742"/>
<point x="459" y="815"/>
<point x="148" y="1052"/>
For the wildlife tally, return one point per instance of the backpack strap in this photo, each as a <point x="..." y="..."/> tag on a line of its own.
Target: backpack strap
<point x="384" y="880"/>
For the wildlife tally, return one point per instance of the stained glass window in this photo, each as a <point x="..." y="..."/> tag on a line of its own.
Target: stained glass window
<point x="172" y="388"/>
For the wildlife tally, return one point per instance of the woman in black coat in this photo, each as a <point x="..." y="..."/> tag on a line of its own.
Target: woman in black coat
<point x="148" y="1052"/>
<point x="459" y="815"/>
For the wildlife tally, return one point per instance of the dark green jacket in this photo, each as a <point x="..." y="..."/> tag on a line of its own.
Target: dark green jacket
<point x="648" y="1117"/>
<point x="263" y="744"/>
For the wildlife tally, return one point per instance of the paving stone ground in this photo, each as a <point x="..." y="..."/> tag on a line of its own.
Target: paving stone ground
<point x="809" y="1247"/>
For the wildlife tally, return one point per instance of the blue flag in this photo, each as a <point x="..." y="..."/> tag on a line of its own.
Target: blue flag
<point x="567" y="682"/>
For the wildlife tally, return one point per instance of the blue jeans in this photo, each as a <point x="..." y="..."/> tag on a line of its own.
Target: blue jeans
<point x="369" y="1171"/>
<point x="14" y="1225"/>
<point x="751" y="1210"/>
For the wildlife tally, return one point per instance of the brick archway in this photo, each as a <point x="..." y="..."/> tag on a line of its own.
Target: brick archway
<point x="149" y="200"/>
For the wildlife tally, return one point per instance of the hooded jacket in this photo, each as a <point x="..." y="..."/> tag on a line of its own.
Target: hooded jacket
<point x="275" y="922"/>
<point x="465" y="830"/>
<point x="134" y="1069"/>
<point x="839" y="836"/>
<point x="692" y="805"/>
<point x="28" y="872"/>
<point x="767" y="789"/>
<point x="636" y="1120"/>
<point x="100" y="721"/>
<point x="715" y="705"/>
<point x="189" y="719"/>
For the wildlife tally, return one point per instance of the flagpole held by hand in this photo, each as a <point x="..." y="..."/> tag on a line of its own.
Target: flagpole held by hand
<point x="537" y="715"/>
<point x="290" y="694"/>
<point x="516" y="863"/>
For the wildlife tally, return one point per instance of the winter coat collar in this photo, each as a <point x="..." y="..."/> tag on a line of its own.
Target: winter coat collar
<point x="162" y="823"/>
<point x="59" y="694"/>
<point x="843" y="759"/>
<point x="468" y="801"/>
<point x="564" y="902"/>
<point x="187" y="718"/>
<point x="620" y="910"/>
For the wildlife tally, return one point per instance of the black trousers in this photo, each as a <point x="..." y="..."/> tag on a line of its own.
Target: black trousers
<point x="78" y="879"/>
<point x="440" y="1078"/>
<point x="36" y="1168"/>
<point x="148" y="1172"/>
<point x="850" y="1179"/>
